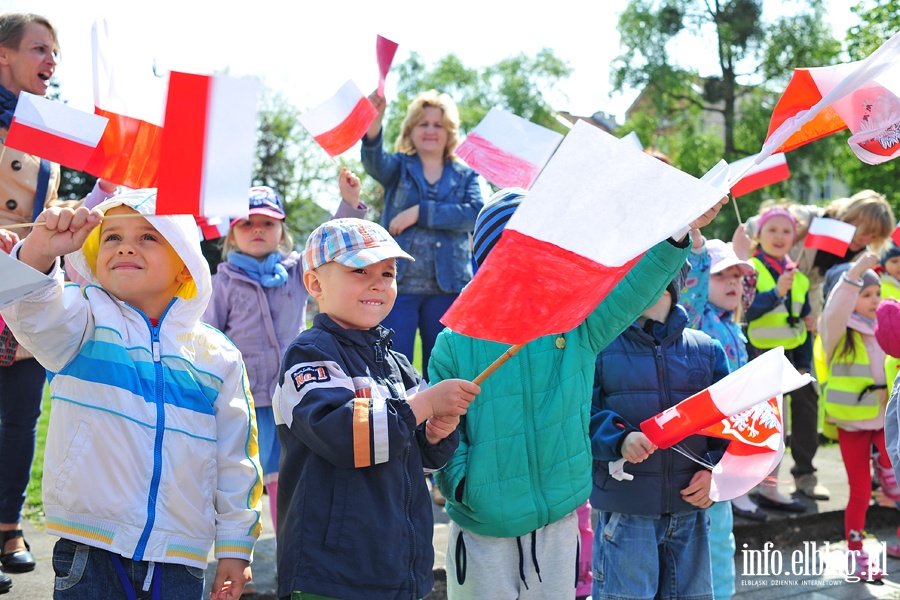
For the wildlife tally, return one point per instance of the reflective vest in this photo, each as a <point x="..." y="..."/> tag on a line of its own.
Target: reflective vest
<point x="850" y="393"/>
<point x="891" y="368"/>
<point x="889" y="287"/>
<point x="772" y="329"/>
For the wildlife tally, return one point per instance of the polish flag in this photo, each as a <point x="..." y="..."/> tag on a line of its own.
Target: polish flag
<point x="767" y="376"/>
<point x="896" y="235"/>
<point x="507" y="150"/>
<point x="208" y="145"/>
<point x="341" y="121"/>
<point x="134" y="101"/>
<point x="771" y="170"/>
<point x="212" y="228"/>
<point x="830" y="235"/>
<point x="54" y="131"/>
<point x="384" y="53"/>
<point x="572" y="240"/>
<point x="862" y="96"/>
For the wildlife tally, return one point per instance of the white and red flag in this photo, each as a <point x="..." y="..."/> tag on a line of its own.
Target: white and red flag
<point x="212" y="228"/>
<point x="507" y="150"/>
<point x="896" y="235"/>
<point x="208" y="145"/>
<point x="341" y="121"/>
<point x="54" y="131"/>
<point x="862" y="96"/>
<point x="134" y="101"/>
<point x="720" y="411"/>
<point x="771" y="170"/>
<point x="574" y="237"/>
<point x="384" y="54"/>
<point x="831" y="235"/>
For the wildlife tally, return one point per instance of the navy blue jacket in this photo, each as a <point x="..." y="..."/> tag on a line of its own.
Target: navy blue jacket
<point x="451" y="217"/>
<point x="638" y="377"/>
<point x="354" y="513"/>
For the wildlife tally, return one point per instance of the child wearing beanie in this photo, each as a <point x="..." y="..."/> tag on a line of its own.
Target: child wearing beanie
<point x="890" y="272"/>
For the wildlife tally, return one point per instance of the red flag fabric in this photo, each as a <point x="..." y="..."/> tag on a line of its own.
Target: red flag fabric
<point x="384" y="53"/>
<point x="54" y="131"/>
<point x="859" y="96"/>
<point x="830" y="235"/>
<point x="208" y="145"/>
<point x="561" y="252"/>
<point x="507" y="150"/>
<point x="896" y="235"/>
<point x="771" y="170"/>
<point x="341" y="121"/>
<point x="128" y="153"/>
<point x="212" y="228"/>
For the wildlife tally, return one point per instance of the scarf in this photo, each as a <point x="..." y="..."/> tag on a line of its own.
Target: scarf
<point x="268" y="272"/>
<point x="7" y="106"/>
<point x="786" y="264"/>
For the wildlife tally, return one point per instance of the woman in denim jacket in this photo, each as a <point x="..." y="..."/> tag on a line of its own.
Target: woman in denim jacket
<point x="430" y="204"/>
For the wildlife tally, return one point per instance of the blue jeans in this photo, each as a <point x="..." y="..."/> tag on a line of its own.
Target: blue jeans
<point x="642" y="558"/>
<point x="269" y="446"/>
<point x="412" y="312"/>
<point x="86" y="572"/>
<point x="21" y="392"/>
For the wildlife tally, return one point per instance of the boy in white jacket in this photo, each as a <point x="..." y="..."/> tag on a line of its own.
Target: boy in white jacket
<point x="151" y="453"/>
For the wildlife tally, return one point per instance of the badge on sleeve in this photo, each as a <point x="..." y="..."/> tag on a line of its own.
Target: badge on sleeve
<point x="310" y="374"/>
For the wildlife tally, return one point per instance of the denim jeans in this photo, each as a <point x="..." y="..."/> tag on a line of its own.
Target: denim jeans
<point x="86" y="572"/>
<point x="645" y="557"/>
<point x="21" y="391"/>
<point x="269" y="446"/>
<point x="412" y="312"/>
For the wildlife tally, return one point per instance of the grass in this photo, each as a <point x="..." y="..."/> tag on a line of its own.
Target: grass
<point x="34" y="507"/>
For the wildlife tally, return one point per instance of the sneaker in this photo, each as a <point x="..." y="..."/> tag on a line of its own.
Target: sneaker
<point x="809" y="486"/>
<point x="858" y="566"/>
<point x="888" y="481"/>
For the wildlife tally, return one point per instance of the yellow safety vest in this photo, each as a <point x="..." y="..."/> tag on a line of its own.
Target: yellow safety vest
<point x="889" y="287"/>
<point x="891" y="368"/>
<point x="772" y="329"/>
<point x="850" y="393"/>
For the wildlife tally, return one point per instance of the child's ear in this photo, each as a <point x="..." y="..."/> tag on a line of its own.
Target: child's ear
<point x="312" y="283"/>
<point x="184" y="276"/>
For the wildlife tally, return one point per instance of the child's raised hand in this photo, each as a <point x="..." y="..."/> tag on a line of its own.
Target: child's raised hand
<point x="741" y="242"/>
<point x="232" y="574"/>
<point x="438" y="428"/>
<point x="350" y="186"/>
<point x="637" y="447"/>
<point x="62" y="230"/>
<point x="707" y="217"/>
<point x="8" y="239"/>
<point x="867" y="261"/>
<point x="697" y="491"/>
<point x="785" y="281"/>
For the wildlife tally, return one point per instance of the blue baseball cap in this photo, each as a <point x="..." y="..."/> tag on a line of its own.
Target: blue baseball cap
<point x="263" y="201"/>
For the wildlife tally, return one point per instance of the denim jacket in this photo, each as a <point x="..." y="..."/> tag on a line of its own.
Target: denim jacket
<point x="451" y="217"/>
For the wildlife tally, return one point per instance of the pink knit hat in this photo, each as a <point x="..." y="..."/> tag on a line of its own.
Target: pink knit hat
<point x="887" y="326"/>
<point x="776" y="212"/>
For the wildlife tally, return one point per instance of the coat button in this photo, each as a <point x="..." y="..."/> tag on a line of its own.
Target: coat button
<point x="16" y="165"/>
<point x="11" y="205"/>
<point x="437" y="245"/>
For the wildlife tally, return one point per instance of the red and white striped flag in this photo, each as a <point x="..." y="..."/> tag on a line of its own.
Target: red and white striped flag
<point x="507" y="150"/>
<point x="341" y="121"/>
<point x="896" y="235"/>
<point x="384" y="54"/>
<point x="571" y="240"/>
<point x="212" y="228"/>
<point x="830" y="235"/>
<point x="861" y="96"/>
<point x="771" y="170"/>
<point x="54" y="131"/>
<point x="134" y="102"/>
<point x="208" y="145"/>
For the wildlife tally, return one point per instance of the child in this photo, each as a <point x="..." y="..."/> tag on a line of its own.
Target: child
<point x="890" y="272"/>
<point x="855" y="395"/>
<point x="151" y="451"/>
<point x="651" y="525"/>
<point x="357" y="425"/>
<point x="777" y="317"/>
<point x="259" y="302"/>
<point x="711" y="297"/>
<point x="523" y="463"/>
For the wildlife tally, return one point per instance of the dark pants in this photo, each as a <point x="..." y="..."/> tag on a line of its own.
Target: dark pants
<point x="412" y="312"/>
<point x="21" y="391"/>
<point x="804" y="428"/>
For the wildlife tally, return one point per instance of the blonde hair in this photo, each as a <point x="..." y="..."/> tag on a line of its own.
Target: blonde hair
<point x="869" y="211"/>
<point x="416" y="112"/>
<point x="12" y="28"/>
<point x="285" y="244"/>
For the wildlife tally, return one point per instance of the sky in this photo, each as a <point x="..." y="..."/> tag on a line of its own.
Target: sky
<point x="308" y="49"/>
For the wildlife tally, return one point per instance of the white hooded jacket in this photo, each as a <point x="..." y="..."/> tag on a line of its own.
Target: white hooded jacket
<point x="152" y="449"/>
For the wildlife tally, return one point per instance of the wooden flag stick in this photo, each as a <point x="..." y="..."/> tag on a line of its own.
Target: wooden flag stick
<point x="105" y="217"/>
<point x="497" y="363"/>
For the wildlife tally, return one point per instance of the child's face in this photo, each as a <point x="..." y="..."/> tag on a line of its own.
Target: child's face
<point x="868" y="301"/>
<point x="776" y="236"/>
<point x="892" y="266"/>
<point x="257" y="236"/>
<point x="355" y="298"/>
<point x="725" y="288"/>
<point x="137" y="264"/>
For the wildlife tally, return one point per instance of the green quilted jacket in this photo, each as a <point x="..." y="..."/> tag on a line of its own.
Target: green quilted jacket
<point x="524" y="456"/>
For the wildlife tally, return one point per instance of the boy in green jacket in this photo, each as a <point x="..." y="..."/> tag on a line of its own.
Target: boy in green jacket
<point x="524" y="459"/>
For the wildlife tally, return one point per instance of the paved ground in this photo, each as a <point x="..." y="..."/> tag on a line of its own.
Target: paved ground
<point x="791" y="537"/>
